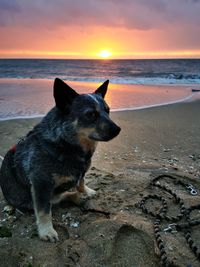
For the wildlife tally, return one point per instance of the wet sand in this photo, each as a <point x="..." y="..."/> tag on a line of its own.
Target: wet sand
<point x="33" y="97"/>
<point x="160" y="139"/>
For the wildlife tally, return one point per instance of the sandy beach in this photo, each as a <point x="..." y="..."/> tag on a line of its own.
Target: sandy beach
<point x="142" y="204"/>
<point x="156" y="140"/>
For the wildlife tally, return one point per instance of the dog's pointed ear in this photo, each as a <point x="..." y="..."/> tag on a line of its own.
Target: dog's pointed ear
<point x="102" y="89"/>
<point x="63" y="94"/>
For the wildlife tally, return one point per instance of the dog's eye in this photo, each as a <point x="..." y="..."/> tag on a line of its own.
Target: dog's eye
<point x="91" y="115"/>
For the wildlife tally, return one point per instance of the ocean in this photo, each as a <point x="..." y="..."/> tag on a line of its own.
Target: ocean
<point x="26" y="84"/>
<point x="159" y="71"/>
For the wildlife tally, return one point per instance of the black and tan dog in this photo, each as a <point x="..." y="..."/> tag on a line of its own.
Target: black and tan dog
<point x="56" y="154"/>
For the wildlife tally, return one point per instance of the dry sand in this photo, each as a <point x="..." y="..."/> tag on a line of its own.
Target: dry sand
<point x="161" y="139"/>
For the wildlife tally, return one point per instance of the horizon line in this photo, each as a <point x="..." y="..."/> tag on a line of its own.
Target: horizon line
<point x="100" y="59"/>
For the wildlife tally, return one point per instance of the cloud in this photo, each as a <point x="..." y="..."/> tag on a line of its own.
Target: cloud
<point x="8" y="10"/>
<point x="130" y="14"/>
<point x="127" y="25"/>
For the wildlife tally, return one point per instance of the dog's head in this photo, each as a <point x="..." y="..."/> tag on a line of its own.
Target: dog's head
<point x="88" y="112"/>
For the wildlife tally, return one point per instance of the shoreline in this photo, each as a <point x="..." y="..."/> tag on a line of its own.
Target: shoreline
<point x="118" y="81"/>
<point x="182" y="100"/>
<point x="5" y="79"/>
<point x="32" y="98"/>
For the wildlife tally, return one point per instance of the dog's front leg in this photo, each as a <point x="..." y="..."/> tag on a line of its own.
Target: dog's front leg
<point x="83" y="188"/>
<point x="41" y="193"/>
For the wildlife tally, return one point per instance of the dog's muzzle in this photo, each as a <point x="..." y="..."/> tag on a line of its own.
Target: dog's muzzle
<point x="106" y="131"/>
<point x="113" y="132"/>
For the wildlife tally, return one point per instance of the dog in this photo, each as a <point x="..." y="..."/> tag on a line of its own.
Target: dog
<point x="53" y="157"/>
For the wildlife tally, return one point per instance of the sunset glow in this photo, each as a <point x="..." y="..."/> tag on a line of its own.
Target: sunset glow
<point x="105" y="54"/>
<point x="104" y="29"/>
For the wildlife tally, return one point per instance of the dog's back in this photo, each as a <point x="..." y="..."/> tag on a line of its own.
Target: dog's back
<point x="16" y="193"/>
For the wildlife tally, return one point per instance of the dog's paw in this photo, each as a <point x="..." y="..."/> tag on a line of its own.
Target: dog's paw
<point x="9" y="209"/>
<point x="48" y="234"/>
<point x="90" y="192"/>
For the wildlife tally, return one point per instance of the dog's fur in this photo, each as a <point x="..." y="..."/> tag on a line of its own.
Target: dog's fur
<point x="56" y="154"/>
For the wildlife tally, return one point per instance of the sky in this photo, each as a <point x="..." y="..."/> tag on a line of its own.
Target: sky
<point x="83" y="28"/>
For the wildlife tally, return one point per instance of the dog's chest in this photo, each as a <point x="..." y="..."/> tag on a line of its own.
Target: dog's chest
<point x="70" y="173"/>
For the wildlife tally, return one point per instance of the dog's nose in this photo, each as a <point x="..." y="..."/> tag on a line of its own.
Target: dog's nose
<point x="115" y="130"/>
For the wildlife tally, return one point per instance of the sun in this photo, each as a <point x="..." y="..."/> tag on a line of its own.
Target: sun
<point x="105" y="53"/>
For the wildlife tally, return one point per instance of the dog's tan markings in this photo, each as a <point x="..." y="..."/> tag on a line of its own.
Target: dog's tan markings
<point x="59" y="180"/>
<point x="82" y="188"/>
<point x="87" y="144"/>
<point x="68" y="196"/>
<point x="74" y="196"/>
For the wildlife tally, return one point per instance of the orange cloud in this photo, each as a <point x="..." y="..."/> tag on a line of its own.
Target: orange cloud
<point x="80" y="29"/>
